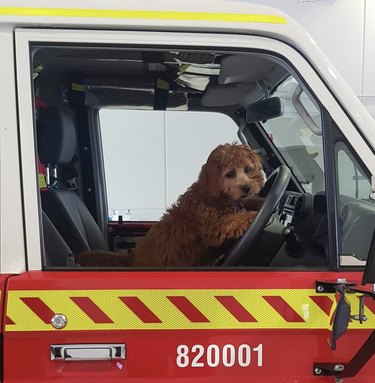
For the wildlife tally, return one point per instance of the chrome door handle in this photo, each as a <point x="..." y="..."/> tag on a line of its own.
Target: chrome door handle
<point x="82" y="352"/>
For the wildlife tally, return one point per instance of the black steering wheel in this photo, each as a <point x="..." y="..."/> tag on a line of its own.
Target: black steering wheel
<point x="272" y="192"/>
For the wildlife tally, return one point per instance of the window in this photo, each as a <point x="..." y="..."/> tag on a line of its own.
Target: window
<point x="357" y="210"/>
<point x="123" y="132"/>
<point x="151" y="157"/>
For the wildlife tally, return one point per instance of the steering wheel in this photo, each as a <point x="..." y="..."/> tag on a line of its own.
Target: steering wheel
<point x="272" y="191"/>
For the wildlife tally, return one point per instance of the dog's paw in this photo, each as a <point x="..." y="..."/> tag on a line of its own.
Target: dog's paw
<point x="236" y="225"/>
<point x="254" y="203"/>
<point x="99" y="258"/>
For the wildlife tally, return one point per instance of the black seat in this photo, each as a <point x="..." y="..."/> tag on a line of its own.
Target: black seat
<point x="64" y="206"/>
<point x="56" y="251"/>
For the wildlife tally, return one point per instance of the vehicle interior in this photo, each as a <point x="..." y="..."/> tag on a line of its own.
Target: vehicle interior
<point x="271" y="107"/>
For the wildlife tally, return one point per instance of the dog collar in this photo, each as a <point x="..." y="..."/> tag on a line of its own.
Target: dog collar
<point x="239" y="207"/>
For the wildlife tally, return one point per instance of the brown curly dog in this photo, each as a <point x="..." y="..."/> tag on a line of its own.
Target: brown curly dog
<point x="217" y="208"/>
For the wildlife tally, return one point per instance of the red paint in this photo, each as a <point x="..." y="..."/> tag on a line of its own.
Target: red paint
<point x="134" y="280"/>
<point x="188" y="309"/>
<point x="39" y="308"/>
<point x="282" y="307"/>
<point x="370" y="303"/>
<point x="236" y="309"/>
<point x="3" y="284"/>
<point x="140" y="309"/>
<point x="91" y="310"/>
<point x="325" y="303"/>
<point x="288" y="355"/>
<point x="8" y="320"/>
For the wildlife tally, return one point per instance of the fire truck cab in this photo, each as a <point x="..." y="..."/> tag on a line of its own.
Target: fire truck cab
<point x="108" y="110"/>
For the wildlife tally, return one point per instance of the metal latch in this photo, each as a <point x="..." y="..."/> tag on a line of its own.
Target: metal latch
<point x="85" y="352"/>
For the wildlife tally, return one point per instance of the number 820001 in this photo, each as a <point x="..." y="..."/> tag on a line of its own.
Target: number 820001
<point x="213" y="355"/>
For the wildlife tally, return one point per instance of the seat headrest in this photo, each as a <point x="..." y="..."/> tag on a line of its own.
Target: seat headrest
<point x="56" y="136"/>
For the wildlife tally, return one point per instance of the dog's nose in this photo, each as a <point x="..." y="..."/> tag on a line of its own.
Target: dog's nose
<point x="245" y="188"/>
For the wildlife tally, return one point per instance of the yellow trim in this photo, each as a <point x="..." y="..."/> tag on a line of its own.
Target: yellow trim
<point x="162" y="84"/>
<point x="171" y="317"/>
<point x="139" y="14"/>
<point x="42" y="181"/>
<point x="78" y="87"/>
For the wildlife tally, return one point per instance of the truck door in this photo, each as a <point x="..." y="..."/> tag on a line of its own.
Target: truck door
<point x="266" y="319"/>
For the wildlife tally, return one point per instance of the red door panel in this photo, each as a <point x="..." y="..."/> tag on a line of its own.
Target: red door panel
<point x="198" y="326"/>
<point x="3" y="281"/>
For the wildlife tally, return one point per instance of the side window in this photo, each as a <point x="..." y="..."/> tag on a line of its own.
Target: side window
<point x="123" y="132"/>
<point x="151" y="157"/>
<point x="357" y="210"/>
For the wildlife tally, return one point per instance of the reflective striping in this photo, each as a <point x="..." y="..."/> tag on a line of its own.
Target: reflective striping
<point x="370" y="304"/>
<point x="39" y="308"/>
<point x="140" y="309"/>
<point x="283" y="308"/>
<point x="188" y="309"/>
<point x="236" y="309"/>
<point x="325" y="303"/>
<point x="8" y="320"/>
<point x="140" y="14"/>
<point x="176" y="309"/>
<point x="91" y="310"/>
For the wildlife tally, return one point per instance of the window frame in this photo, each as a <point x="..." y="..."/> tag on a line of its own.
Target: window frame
<point x="26" y="38"/>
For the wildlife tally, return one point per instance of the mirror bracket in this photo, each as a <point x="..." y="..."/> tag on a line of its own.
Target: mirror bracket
<point x="347" y="370"/>
<point x="340" y="370"/>
<point x="328" y="287"/>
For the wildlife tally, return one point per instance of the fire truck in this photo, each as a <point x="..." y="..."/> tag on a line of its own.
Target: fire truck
<point x="82" y="88"/>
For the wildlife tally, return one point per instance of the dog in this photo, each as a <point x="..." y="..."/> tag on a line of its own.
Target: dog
<point x="217" y="208"/>
<point x="214" y="211"/>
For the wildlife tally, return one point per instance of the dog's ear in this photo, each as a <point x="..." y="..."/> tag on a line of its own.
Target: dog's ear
<point x="209" y="178"/>
<point x="258" y="161"/>
<point x="255" y="159"/>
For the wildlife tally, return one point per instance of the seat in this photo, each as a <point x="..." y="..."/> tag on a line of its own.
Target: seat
<point x="64" y="206"/>
<point x="56" y="251"/>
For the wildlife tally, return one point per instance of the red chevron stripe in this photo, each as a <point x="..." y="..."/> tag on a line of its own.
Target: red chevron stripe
<point x="235" y="308"/>
<point x="39" y="308"/>
<point x="325" y="303"/>
<point x="283" y="309"/>
<point x="370" y="304"/>
<point x="188" y="309"/>
<point x="91" y="310"/>
<point x="8" y="320"/>
<point x="140" y="310"/>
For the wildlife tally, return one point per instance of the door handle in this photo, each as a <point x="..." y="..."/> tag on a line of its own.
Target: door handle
<point x="83" y="352"/>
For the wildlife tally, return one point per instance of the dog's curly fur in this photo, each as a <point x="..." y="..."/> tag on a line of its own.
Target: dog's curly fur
<point x="218" y="207"/>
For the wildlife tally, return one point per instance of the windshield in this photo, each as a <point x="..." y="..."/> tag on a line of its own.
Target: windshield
<point x="297" y="135"/>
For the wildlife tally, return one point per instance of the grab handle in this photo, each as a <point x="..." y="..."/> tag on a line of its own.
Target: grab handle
<point x="84" y="352"/>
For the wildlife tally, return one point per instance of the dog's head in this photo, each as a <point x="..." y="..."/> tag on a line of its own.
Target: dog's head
<point x="232" y="171"/>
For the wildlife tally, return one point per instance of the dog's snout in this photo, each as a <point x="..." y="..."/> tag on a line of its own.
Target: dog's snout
<point x="245" y="188"/>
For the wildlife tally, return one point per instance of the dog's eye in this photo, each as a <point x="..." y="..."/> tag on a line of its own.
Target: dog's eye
<point x="247" y="169"/>
<point x="230" y="174"/>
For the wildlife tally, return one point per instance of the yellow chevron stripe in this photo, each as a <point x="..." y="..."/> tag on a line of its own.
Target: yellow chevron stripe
<point x="171" y="317"/>
<point x="139" y="14"/>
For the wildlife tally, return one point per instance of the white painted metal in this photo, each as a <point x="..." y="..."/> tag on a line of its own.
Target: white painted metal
<point x="305" y="70"/>
<point x="12" y="253"/>
<point x="28" y="155"/>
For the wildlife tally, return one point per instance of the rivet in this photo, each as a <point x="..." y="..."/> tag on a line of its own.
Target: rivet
<point x="338" y="367"/>
<point x="317" y="371"/>
<point x="59" y="321"/>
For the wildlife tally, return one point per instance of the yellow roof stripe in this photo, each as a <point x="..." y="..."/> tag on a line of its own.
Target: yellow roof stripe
<point x="139" y="14"/>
